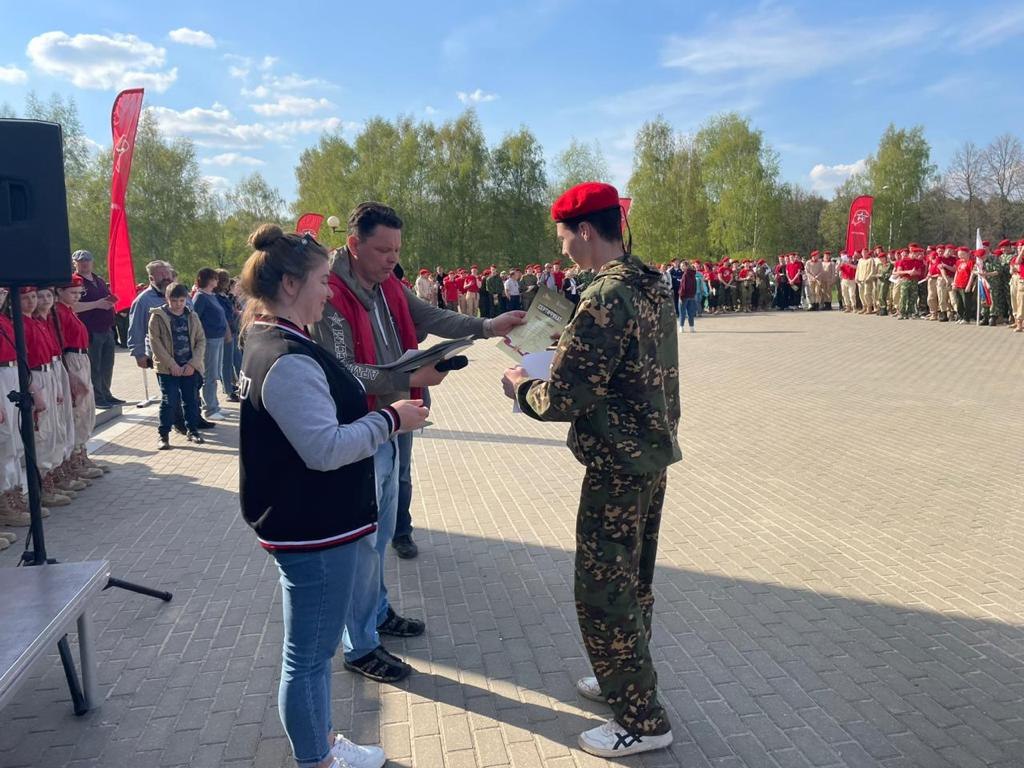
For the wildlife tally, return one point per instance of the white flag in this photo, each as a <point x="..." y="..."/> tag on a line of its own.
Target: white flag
<point x="977" y="240"/>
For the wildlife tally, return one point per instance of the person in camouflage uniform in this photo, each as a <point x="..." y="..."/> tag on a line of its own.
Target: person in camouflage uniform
<point x="884" y="286"/>
<point x="615" y="379"/>
<point x="528" y="287"/>
<point x="496" y="287"/>
<point x="997" y="272"/>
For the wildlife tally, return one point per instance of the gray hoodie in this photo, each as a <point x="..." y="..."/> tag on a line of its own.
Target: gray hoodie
<point x="334" y="334"/>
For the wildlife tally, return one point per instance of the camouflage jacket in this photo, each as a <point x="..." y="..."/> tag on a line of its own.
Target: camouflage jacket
<point x="615" y="375"/>
<point x="495" y="284"/>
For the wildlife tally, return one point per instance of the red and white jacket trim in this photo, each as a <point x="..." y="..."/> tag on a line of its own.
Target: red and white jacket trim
<point x="331" y="541"/>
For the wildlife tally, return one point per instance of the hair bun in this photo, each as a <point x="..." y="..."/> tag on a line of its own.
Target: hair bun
<point x="265" y="236"/>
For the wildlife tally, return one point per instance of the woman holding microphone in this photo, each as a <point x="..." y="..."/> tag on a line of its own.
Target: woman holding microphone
<point x="306" y="446"/>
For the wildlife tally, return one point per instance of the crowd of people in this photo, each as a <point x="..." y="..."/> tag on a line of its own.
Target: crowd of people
<point x="944" y="283"/>
<point x="492" y="292"/>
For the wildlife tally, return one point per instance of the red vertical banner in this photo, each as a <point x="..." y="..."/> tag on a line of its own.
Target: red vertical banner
<point x="124" y="122"/>
<point x="309" y="223"/>
<point x="859" y="228"/>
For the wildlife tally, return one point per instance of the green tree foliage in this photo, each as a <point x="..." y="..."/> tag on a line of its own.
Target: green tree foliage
<point x="898" y="175"/>
<point x="461" y="203"/>
<point x="518" y="224"/>
<point x="575" y="164"/>
<point x="741" y="180"/>
<point x="799" y="214"/>
<point x="669" y="213"/>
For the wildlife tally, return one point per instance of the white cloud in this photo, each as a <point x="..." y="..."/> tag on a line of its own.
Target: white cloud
<point x="732" y="62"/>
<point x="195" y="37"/>
<point x="775" y="44"/>
<point x="217" y="183"/>
<point x="291" y="105"/>
<point x="217" y="127"/>
<point x="12" y="75"/>
<point x="103" y="62"/>
<point x="268" y="62"/>
<point x="259" y="92"/>
<point x="955" y="84"/>
<point x="991" y="28"/>
<point x="232" y="158"/>
<point x="825" y="178"/>
<point x="476" y="97"/>
<point x="429" y="110"/>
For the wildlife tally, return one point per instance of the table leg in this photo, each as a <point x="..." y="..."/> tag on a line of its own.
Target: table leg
<point x="88" y="660"/>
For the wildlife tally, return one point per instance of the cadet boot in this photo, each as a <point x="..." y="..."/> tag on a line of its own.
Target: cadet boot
<point x="82" y="469"/>
<point x="50" y="496"/>
<point x="89" y="462"/>
<point x="65" y="482"/>
<point x="11" y="512"/>
<point x="943" y="317"/>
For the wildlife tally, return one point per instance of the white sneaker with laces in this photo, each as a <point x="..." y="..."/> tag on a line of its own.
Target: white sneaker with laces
<point x="351" y="755"/>
<point x="589" y="689"/>
<point x="612" y="740"/>
<point x="215" y="416"/>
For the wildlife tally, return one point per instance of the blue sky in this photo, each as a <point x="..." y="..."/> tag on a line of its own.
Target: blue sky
<point x="253" y="84"/>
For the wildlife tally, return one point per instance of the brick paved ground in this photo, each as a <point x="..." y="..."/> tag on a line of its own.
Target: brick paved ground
<point x="840" y="578"/>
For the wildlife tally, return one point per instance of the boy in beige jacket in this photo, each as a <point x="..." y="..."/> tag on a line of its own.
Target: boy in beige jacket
<point x="179" y="345"/>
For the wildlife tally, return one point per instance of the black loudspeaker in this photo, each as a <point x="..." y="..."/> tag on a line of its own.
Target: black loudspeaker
<point x="35" y="247"/>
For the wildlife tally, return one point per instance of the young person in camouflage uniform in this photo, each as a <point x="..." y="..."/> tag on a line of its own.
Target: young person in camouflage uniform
<point x="615" y="379"/>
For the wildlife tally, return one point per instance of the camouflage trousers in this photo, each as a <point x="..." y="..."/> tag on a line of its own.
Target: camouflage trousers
<point x="908" y="298"/>
<point x="616" y="547"/>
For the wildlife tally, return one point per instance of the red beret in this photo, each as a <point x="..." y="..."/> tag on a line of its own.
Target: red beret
<point x="814" y="253"/>
<point x="985" y="243"/>
<point x="963" y="249"/>
<point x="474" y="267"/>
<point x="424" y="271"/>
<point x="828" y="253"/>
<point x="588" y="197"/>
<point x="978" y="252"/>
<point x="27" y="289"/>
<point x="761" y="261"/>
<point x="1003" y="243"/>
<point x="998" y="252"/>
<point x="76" y="281"/>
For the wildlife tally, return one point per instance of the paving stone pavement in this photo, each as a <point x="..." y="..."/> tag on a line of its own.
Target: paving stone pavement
<point x="839" y="578"/>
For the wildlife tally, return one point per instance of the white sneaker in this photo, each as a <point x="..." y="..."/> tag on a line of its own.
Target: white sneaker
<point x="611" y="740"/>
<point x="216" y="416"/>
<point x="351" y="755"/>
<point x="589" y="689"/>
<point x="692" y="329"/>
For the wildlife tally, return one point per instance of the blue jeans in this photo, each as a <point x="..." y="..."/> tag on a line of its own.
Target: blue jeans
<point x="403" y="518"/>
<point x="176" y="391"/>
<point x="317" y="589"/>
<point x="212" y="363"/>
<point x="228" y="376"/>
<point x="687" y="309"/>
<point x="370" y="598"/>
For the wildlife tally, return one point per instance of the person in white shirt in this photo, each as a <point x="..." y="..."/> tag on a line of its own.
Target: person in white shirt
<point x="512" y="290"/>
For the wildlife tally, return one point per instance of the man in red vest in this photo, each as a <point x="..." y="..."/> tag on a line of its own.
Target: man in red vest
<point x="370" y="321"/>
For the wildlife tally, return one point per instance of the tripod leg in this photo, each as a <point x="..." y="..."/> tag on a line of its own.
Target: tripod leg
<point x="68" y="661"/>
<point x="131" y="587"/>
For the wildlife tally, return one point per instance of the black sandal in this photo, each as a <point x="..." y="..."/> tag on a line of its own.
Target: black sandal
<point x="399" y="626"/>
<point x="381" y="666"/>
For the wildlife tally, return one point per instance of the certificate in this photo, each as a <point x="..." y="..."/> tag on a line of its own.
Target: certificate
<point x="547" y="317"/>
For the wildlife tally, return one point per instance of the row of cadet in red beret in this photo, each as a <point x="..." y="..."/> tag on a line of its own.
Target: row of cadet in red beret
<point x="63" y="402"/>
